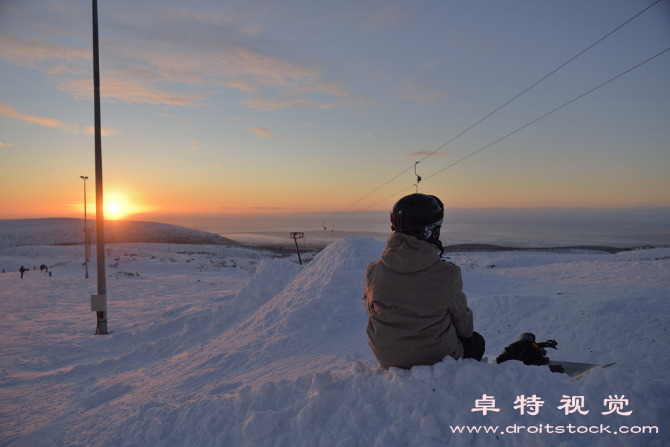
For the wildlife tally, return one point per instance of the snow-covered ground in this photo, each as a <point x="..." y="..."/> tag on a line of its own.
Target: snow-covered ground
<point x="216" y="345"/>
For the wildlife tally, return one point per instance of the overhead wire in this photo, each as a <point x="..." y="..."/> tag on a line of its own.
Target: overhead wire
<point x="509" y="134"/>
<point x="493" y="112"/>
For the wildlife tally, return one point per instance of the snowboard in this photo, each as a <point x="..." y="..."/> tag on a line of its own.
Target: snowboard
<point x="578" y="370"/>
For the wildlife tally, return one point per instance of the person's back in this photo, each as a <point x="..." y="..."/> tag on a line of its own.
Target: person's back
<point x="418" y="313"/>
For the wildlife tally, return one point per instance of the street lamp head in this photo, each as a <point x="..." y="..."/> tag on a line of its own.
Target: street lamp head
<point x="81" y="176"/>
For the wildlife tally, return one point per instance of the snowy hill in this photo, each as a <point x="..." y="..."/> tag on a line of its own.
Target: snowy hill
<point x="206" y="353"/>
<point x="59" y="231"/>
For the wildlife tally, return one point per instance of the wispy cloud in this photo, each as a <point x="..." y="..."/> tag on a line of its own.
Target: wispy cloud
<point x="280" y="103"/>
<point x="270" y="208"/>
<point x="437" y="62"/>
<point x="421" y="94"/>
<point x="169" y="64"/>
<point x="129" y="91"/>
<point x="424" y="153"/>
<point x="5" y="145"/>
<point x="469" y="43"/>
<point x="372" y="16"/>
<point x="34" y="52"/>
<point x="165" y="115"/>
<point x="11" y="112"/>
<point x="261" y="132"/>
<point x="105" y="131"/>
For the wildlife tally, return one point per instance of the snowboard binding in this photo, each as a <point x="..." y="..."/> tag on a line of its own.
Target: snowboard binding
<point x="525" y="349"/>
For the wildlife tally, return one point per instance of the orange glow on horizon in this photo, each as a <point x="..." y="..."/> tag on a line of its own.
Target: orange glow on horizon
<point x="113" y="211"/>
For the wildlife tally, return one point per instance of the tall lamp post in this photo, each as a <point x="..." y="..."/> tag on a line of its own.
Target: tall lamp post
<point x="87" y="239"/>
<point x="98" y="300"/>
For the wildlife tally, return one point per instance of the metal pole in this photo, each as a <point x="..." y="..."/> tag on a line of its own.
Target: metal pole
<point x="298" y="250"/>
<point x="87" y="246"/>
<point x="99" y="206"/>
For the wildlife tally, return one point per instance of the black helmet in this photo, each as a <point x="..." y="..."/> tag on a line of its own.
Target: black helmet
<point x="419" y="215"/>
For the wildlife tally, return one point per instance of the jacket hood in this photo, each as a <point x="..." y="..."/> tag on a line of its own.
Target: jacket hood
<point x="407" y="254"/>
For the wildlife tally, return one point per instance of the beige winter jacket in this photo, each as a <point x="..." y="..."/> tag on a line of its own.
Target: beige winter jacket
<point x="416" y="305"/>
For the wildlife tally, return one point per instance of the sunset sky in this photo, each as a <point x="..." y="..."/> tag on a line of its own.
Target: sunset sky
<point x="307" y="106"/>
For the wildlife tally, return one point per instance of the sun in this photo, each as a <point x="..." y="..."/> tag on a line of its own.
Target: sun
<point x="113" y="211"/>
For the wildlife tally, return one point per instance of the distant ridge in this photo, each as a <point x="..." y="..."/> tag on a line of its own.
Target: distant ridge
<point x="65" y="231"/>
<point x="572" y="249"/>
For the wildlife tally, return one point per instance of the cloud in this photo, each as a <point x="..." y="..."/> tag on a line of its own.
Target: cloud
<point x="421" y="94"/>
<point x="469" y="43"/>
<point x="424" y="153"/>
<point x="165" y="115"/>
<point x="384" y="17"/>
<point x="5" y="145"/>
<point x="128" y="91"/>
<point x="197" y="145"/>
<point x="280" y="103"/>
<point x="11" y="112"/>
<point x="261" y="132"/>
<point x="372" y="15"/>
<point x="105" y="131"/>
<point x="239" y="118"/>
<point x="34" y="52"/>
<point x="437" y="62"/>
<point x="183" y="57"/>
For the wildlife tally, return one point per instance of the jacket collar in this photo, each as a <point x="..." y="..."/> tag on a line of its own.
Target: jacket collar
<point x="407" y="254"/>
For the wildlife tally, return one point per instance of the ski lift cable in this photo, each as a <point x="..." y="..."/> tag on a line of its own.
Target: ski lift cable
<point x="509" y="134"/>
<point x="496" y="110"/>
<point x="545" y="77"/>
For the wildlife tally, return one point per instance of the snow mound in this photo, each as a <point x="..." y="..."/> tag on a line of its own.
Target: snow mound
<point x="362" y="405"/>
<point x="272" y="276"/>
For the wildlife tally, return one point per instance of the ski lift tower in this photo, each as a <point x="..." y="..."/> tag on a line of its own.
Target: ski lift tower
<point x="295" y="237"/>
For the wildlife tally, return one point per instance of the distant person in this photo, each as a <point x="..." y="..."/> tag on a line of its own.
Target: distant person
<point x="22" y="270"/>
<point x="33" y="268"/>
<point x="42" y="267"/>
<point x="418" y="313"/>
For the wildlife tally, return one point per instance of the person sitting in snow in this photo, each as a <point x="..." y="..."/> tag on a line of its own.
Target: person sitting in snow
<point x="418" y="313"/>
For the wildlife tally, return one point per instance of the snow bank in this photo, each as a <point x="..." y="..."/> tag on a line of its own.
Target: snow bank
<point x="272" y="275"/>
<point x="369" y="406"/>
